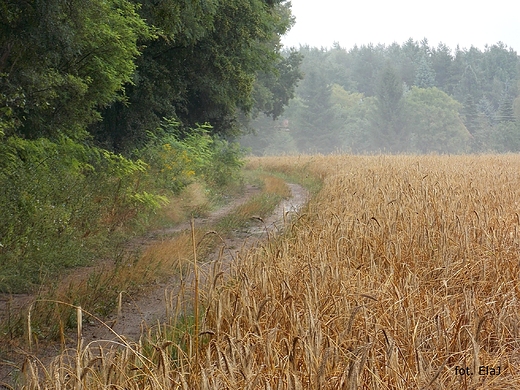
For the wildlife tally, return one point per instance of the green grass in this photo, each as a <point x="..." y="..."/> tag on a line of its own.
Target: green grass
<point x="97" y="290"/>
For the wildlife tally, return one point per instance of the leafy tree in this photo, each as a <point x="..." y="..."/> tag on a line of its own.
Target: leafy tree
<point x="338" y="65"/>
<point x="433" y="121"/>
<point x="203" y="68"/>
<point x="485" y="75"/>
<point x="367" y="64"/>
<point x="484" y="81"/>
<point x="62" y="61"/>
<point x="499" y="70"/>
<point x="468" y="74"/>
<point x="505" y="137"/>
<point x="354" y="111"/>
<point x="273" y="90"/>
<point x="405" y="59"/>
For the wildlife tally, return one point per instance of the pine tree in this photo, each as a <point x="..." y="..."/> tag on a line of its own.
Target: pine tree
<point x="470" y="114"/>
<point x="505" y="109"/>
<point x="425" y="76"/>
<point x="388" y="130"/>
<point x="317" y="130"/>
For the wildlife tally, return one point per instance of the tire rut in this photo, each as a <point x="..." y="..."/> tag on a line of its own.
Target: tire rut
<point x="140" y="313"/>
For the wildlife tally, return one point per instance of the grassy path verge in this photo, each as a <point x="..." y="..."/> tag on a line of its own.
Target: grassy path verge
<point x="402" y="272"/>
<point x="162" y="256"/>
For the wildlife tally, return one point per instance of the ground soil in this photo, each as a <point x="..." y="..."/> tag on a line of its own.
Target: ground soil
<point x="141" y="312"/>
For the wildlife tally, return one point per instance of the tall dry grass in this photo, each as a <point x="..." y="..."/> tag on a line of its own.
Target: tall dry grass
<point x="402" y="273"/>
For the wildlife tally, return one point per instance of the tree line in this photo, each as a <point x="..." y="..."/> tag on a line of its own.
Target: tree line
<point x="110" y="108"/>
<point x="110" y="71"/>
<point x="410" y="97"/>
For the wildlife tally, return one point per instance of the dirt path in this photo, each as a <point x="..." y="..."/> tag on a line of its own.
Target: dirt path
<point x="140" y="313"/>
<point x="15" y="304"/>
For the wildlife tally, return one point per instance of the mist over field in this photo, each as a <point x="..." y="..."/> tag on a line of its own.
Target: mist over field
<point x="400" y="98"/>
<point x="400" y="272"/>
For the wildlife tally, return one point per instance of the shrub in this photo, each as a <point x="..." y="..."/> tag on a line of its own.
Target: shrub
<point x="176" y="159"/>
<point x="59" y="201"/>
<point x="62" y="201"/>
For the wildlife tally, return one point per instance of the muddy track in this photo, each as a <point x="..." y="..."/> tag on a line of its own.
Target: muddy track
<point x="17" y="304"/>
<point x="142" y="312"/>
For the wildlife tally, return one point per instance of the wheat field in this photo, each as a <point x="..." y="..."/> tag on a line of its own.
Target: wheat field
<point x="401" y="273"/>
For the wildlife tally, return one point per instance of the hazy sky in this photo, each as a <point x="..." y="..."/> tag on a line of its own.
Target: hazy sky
<point x="322" y="22"/>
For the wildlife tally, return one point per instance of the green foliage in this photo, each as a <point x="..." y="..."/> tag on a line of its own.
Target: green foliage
<point x="281" y="142"/>
<point x="433" y="122"/>
<point x="315" y="125"/>
<point x="151" y="201"/>
<point x="223" y="167"/>
<point x="355" y="111"/>
<point x="425" y="77"/>
<point x="85" y="84"/>
<point x="180" y="21"/>
<point x="9" y="100"/>
<point x="113" y="69"/>
<point x="516" y="106"/>
<point x="486" y="82"/>
<point x="61" y="62"/>
<point x="505" y="137"/>
<point x="176" y="160"/>
<point x="211" y="60"/>
<point x="60" y="201"/>
<point x="366" y="65"/>
<point x="273" y="90"/>
<point x="389" y="133"/>
<point x="268" y="136"/>
<point x="42" y="209"/>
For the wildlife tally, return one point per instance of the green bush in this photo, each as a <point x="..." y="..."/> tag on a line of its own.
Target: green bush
<point x="176" y="160"/>
<point x="59" y="201"/>
<point x="62" y="202"/>
<point x="223" y="167"/>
